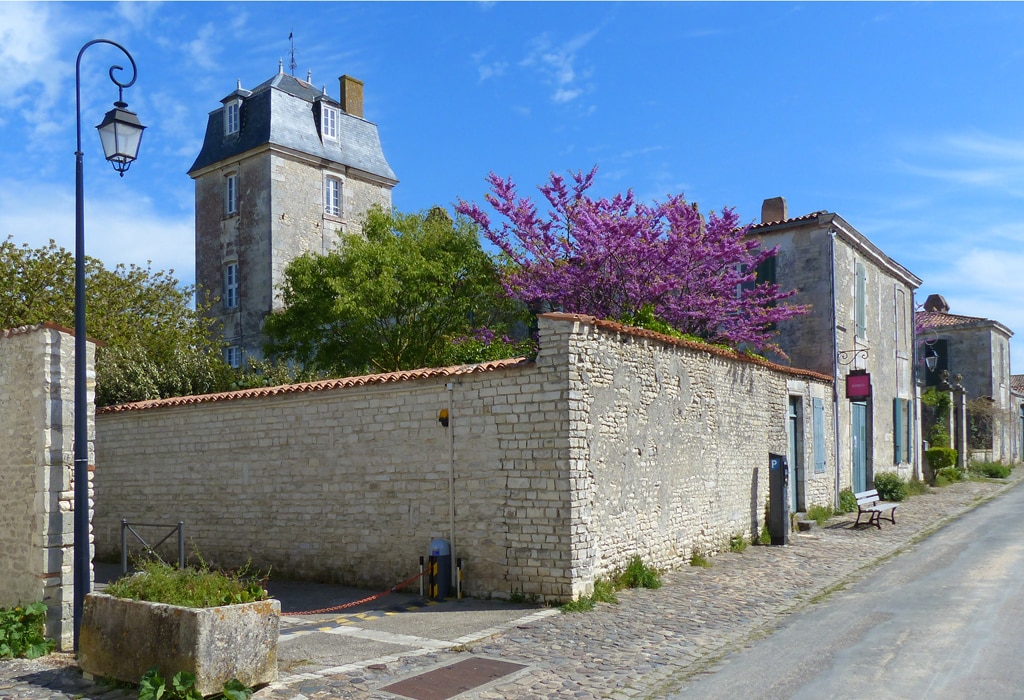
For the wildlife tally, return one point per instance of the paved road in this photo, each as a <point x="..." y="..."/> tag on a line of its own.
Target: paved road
<point x="648" y="646"/>
<point x="942" y="621"/>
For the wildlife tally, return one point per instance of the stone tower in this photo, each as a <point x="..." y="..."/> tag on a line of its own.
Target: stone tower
<point x="284" y="169"/>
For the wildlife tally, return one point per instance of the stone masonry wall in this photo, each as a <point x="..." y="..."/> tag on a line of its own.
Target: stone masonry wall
<point x="36" y="469"/>
<point x="670" y="448"/>
<point x="348" y="480"/>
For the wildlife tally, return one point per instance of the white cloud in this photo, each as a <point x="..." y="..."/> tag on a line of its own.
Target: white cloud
<point x="30" y="52"/>
<point x="203" y="49"/>
<point x="117" y="230"/>
<point x="557" y="64"/>
<point x="486" y="70"/>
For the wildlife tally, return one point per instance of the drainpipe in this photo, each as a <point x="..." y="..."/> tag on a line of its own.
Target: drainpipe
<point x="835" y="357"/>
<point x="451" y="475"/>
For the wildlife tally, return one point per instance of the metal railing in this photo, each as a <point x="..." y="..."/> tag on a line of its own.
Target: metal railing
<point x="148" y="549"/>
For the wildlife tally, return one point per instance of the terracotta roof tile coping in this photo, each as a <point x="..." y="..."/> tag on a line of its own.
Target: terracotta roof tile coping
<point x="456" y="370"/>
<point x="617" y="327"/>
<point x="940" y="319"/>
<point x="805" y="217"/>
<point x="25" y="330"/>
<point x="322" y="385"/>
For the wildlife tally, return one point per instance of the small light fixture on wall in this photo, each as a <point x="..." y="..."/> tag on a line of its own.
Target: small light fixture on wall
<point x="442" y="417"/>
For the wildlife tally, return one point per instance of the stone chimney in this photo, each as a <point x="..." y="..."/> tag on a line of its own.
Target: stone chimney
<point x="351" y="95"/>
<point x="774" y="210"/>
<point x="936" y="302"/>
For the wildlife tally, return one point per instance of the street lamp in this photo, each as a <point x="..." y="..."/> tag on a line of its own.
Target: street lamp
<point x="120" y="133"/>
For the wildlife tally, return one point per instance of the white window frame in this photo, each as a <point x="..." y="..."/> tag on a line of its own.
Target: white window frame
<point x="332" y="195"/>
<point x="233" y="356"/>
<point x="231" y="194"/>
<point x="231" y="285"/>
<point x="232" y="117"/>
<point x="329" y="121"/>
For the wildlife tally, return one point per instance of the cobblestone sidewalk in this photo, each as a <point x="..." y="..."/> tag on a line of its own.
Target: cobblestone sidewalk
<point x="644" y="647"/>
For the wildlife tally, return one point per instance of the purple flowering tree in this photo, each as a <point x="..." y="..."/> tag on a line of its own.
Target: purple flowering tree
<point x="620" y="259"/>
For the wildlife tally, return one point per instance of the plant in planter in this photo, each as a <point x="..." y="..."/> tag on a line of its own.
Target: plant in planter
<point x="215" y="626"/>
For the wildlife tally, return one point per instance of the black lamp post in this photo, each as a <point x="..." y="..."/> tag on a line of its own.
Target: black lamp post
<point x="120" y="133"/>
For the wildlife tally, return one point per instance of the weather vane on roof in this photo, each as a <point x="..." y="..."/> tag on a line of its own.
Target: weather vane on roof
<point x="293" y="65"/>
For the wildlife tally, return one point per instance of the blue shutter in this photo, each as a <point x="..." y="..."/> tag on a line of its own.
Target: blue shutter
<point x="897" y="430"/>
<point x="818" y="421"/>
<point x="909" y="446"/>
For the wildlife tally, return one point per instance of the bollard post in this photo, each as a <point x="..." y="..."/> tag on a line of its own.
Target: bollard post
<point x="124" y="546"/>
<point x="421" y="577"/>
<point x="458" y="579"/>
<point x="181" y="544"/>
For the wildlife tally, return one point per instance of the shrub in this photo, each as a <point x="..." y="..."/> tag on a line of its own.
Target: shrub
<point x="21" y="632"/>
<point x="948" y="475"/>
<point x="638" y="575"/>
<point x="890" y="486"/>
<point x="820" y="514"/>
<point x="847" y="501"/>
<point x="190" y="588"/>
<point x="940" y="457"/>
<point x="990" y="470"/>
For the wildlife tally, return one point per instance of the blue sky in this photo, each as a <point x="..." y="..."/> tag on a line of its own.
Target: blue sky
<point x="906" y="119"/>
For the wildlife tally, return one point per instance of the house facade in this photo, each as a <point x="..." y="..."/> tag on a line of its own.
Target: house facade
<point x="859" y="331"/>
<point x="978" y="351"/>
<point x="284" y="169"/>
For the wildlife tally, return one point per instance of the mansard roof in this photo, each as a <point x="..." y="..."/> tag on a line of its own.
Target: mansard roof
<point x="283" y="112"/>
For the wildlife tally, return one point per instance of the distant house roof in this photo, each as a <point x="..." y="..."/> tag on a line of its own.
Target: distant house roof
<point x="283" y="112"/>
<point x="1017" y="383"/>
<point x="939" y="320"/>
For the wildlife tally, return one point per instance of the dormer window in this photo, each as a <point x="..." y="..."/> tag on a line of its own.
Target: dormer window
<point x="231" y="117"/>
<point x="329" y="121"/>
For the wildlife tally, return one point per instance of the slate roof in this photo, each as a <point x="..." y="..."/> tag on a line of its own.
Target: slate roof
<point x="282" y="112"/>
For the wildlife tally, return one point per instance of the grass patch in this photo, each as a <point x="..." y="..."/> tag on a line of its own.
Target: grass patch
<point x="635" y="575"/>
<point x="638" y="575"/>
<point x="916" y="487"/>
<point x="520" y="598"/>
<point x="189" y="587"/>
<point x="738" y="543"/>
<point x="765" y="538"/>
<point x="698" y="559"/>
<point x="820" y="514"/>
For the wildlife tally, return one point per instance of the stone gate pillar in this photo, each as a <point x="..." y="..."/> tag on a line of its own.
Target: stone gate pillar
<point x="36" y="470"/>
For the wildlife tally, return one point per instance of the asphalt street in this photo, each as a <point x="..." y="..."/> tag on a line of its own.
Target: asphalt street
<point x="942" y="621"/>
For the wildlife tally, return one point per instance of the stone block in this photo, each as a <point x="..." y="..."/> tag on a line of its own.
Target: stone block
<point x="123" y="639"/>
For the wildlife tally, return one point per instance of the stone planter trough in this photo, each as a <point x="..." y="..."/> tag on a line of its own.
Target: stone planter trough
<point x="123" y="639"/>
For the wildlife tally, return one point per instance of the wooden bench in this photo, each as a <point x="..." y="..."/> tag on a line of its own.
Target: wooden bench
<point x="868" y="503"/>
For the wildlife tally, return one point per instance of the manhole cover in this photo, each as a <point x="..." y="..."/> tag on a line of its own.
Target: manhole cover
<point x="447" y="682"/>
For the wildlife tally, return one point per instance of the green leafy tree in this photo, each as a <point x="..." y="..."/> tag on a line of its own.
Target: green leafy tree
<point x="154" y="343"/>
<point x="398" y="297"/>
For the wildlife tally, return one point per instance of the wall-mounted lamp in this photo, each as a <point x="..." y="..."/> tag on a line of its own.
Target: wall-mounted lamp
<point x="931" y="358"/>
<point x="442" y="417"/>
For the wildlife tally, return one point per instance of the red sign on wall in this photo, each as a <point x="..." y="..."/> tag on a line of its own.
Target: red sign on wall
<point x="858" y="385"/>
